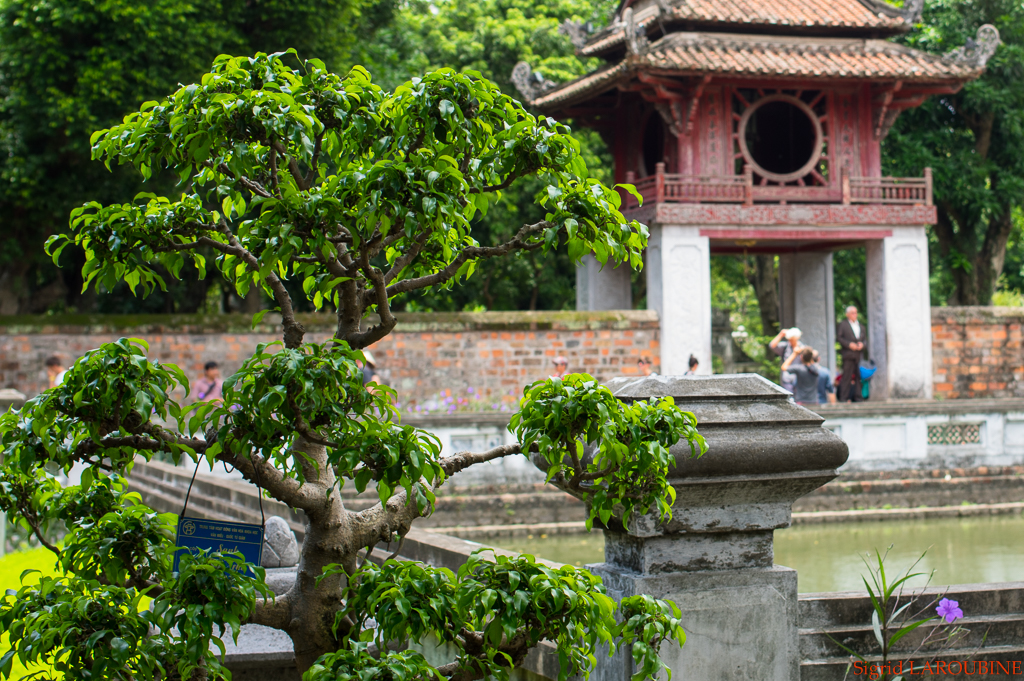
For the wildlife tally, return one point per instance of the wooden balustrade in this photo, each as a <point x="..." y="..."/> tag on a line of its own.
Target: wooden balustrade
<point x="675" y="188"/>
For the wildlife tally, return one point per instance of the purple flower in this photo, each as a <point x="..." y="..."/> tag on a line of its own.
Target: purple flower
<point x="950" y="610"/>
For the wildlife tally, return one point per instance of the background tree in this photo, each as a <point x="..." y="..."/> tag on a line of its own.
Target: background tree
<point x="71" y="67"/>
<point x="490" y="37"/>
<point x="972" y="141"/>
<point x="355" y="195"/>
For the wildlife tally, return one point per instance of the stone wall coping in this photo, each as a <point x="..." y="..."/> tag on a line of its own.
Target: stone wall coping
<point x="966" y="406"/>
<point x="408" y="322"/>
<point x="977" y="314"/>
<point x="958" y="407"/>
<point x="500" y="419"/>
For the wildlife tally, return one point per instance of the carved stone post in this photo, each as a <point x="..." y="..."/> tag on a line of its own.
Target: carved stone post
<point x="715" y="557"/>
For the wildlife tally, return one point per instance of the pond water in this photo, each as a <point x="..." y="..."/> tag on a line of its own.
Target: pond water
<point x="828" y="557"/>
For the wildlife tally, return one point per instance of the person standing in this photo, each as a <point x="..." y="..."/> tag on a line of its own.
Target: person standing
<point x="805" y="369"/>
<point x="785" y="344"/>
<point x="851" y="336"/>
<point x="561" y="367"/>
<point x="693" y="364"/>
<point x="210" y="385"/>
<point x="826" y="387"/>
<point x="645" y="365"/>
<point x="54" y="371"/>
<point x="369" y="368"/>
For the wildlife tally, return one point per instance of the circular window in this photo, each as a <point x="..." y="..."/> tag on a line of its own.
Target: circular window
<point x="780" y="136"/>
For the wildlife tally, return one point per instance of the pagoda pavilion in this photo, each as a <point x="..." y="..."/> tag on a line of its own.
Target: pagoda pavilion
<point x="755" y="127"/>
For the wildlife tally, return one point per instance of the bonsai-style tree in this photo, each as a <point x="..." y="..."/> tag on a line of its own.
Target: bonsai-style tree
<point x="301" y="180"/>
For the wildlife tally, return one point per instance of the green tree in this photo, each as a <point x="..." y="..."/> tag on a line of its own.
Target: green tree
<point x="490" y="37"/>
<point x="357" y="195"/>
<point x="972" y="141"/>
<point x="70" y="67"/>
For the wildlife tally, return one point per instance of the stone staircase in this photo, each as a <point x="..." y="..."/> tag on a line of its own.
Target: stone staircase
<point x="163" y="487"/>
<point x="994" y="488"/>
<point x="846" y="618"/>
<point x="511" y="510"/>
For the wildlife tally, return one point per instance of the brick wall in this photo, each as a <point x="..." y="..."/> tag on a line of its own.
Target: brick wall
<point x="978" y="352"/>
<point x="494" y="353"/>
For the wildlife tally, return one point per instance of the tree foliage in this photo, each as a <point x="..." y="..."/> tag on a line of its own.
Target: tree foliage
<point x="68" y="68"/>
<point x="490" y="37"/>
<point x="301" y="180"/>
<point x="970" y="140"/>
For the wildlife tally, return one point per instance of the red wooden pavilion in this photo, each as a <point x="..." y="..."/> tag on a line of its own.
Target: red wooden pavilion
<point x="755" y="127"/>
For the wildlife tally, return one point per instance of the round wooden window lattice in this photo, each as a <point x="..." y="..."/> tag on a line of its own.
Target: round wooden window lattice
<point x="812" y="162"/>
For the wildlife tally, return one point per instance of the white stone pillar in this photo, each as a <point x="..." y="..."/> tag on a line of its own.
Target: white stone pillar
<point x="603" y="289"/>
<point x="678" y="269"/>
<point x="899" y="315"/>
<point x="807" y="299"/>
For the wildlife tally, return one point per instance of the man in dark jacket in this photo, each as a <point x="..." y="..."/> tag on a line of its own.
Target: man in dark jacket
<point x="851" y="335"/>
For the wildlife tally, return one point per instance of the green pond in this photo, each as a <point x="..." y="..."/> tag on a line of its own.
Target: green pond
<point x="828" y="557"/>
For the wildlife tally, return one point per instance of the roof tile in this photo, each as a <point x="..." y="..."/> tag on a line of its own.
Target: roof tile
<point x="846" y="14"/>
<point x="743" y="55"/>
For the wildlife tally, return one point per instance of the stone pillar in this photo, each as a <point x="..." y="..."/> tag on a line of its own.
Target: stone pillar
<point x="678" y="269"/>
<point x="715" y="557"/>
<point x="899" y="315"/>
<point x="807" y="300"/>
<point x="603" y="289"/>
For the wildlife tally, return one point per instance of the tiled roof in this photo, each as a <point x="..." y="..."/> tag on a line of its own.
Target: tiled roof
<point x="739" y="55"/>
<point x="720" y="14"/>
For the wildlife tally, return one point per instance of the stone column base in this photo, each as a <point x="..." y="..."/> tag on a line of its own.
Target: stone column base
<point x="740" y="624"/>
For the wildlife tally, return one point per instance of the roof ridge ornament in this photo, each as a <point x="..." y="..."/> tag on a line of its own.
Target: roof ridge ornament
<point x="910" y="12"/>
<point x="976" y="52"/>
<point x="636" y="35"/>
<point x="531" y="84"/>
<point x="577" y="31"/>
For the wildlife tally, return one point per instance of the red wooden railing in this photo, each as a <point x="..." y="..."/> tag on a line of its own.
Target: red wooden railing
<point x="907" y="190"/>
<point x="675" y="188"/>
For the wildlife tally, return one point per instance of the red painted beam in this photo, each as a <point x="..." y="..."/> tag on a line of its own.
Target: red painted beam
<point x="776" y="234"/>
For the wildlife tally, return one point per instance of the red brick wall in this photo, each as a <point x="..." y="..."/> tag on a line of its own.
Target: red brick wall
<point x="978" y="352"/>
<point x="497" y="353"/>
<point x="492" y="352"/>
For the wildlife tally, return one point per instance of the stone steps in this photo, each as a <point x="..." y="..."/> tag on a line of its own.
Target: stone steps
<point x="990" y="630"/>
<point x="163" y="487"/>
<point x="839" y="668"/>
<point x="911" y="489"/>
<point x="846" y="618"/>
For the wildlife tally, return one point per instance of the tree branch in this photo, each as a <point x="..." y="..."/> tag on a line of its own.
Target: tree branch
<point x="34" y="524"/>
<point x="379" y="522"/>
<point x="314" y="161"/>
<point x="462" y="460"/>
<point x="275" y="613"/>
<point x="504" y="183"/>
<point x="402" y="261"/>
<point x="293" y="165"/>
<point x="380" y="293"/>
<point x="293" y="329"/>
<point x="251" y="185"/>
<point x="518" y="243"/>
<point x="308" y="496"/>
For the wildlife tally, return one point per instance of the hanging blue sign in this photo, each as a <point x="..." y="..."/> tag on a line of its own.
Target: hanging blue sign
<point x="196" y="534"/>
